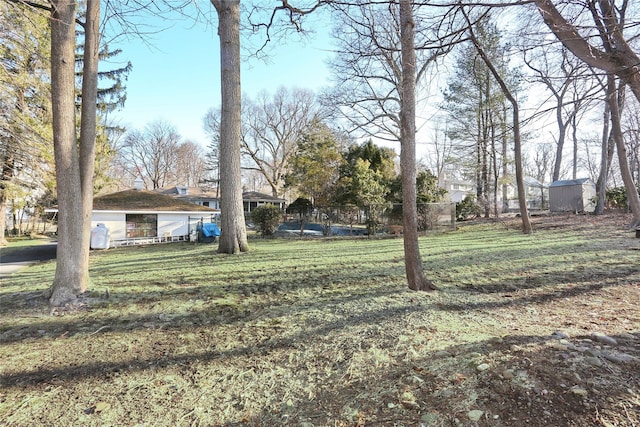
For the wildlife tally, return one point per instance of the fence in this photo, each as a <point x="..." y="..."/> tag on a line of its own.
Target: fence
<point x="374" y="219"/>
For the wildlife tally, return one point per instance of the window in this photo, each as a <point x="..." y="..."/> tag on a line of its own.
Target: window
<point x="142" y="225"/>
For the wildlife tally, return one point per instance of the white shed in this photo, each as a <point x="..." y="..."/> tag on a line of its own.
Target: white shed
<point x="573" y="195"/>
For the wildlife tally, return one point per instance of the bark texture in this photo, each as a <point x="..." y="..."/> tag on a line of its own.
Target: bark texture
<point x="413" y="261"/>
<point x="233" y="233"/>
<point x="71" y="276"/>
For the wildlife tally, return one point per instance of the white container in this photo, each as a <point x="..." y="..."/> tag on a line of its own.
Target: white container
<point x="100" y="237"/>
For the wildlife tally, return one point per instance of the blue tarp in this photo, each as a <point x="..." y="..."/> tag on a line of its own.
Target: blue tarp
<point x="209" y="230"/>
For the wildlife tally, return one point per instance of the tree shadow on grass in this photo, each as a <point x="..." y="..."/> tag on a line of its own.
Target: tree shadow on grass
<point x="226" y="305"/>
<point x="213" y="310"/>
<point x="91" y="369"/>
<point x="528" y="381"/>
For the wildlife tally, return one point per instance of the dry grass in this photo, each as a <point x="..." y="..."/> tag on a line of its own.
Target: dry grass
<point x="325" y="333"/>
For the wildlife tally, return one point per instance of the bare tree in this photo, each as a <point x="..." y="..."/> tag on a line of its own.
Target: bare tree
<point x="442" y="151"/>
<point x="615" y="56"/>
<point x="385" y="53"/>
<point x="274" y="125"/>
<point x="572" y="87"/>
<point x="233" y="237"/>
<point x="607" y="146"/>
<point x="625" y="170"/>
<point x="190" y="164"/>
<point x="367" y="68"/>
<point x="152" y="153"/>
<point x="522" y="201"/>
<point x="413" y="262"/>
<point x="541" y="165"/>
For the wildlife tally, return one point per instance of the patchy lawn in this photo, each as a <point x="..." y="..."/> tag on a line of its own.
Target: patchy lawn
<point x="539" y="330"/>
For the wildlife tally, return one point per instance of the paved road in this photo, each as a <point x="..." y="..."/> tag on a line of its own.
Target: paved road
<point x="11" y="260"/>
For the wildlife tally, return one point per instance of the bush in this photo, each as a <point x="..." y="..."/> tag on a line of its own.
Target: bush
<point x="617" y="197"/>
<point x="301" y="206"/>
<point x="266" y="219"/>
<point x="467" y="209"/>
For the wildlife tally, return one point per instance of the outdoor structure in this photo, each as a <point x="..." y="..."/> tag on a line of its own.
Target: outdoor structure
<point x="253" y="199"/>
<point x="457" y="189"/>
<point x="143" y="217"/>
<point x="536" y="194"/>
<point x="574" y="195"/>
<point x="196" y="195"/>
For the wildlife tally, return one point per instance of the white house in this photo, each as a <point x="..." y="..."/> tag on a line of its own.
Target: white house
<point x="457" y="189"/>
<point x="140" y="217"/>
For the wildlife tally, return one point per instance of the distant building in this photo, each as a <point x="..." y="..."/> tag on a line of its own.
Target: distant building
<point x="536" y="194"/>
<point x="457" y="189"/>
<point x="142" y="217"/>
<point x="194" y="195"/>
<point x="253" y="199"/>
<point x="573" y="195"/>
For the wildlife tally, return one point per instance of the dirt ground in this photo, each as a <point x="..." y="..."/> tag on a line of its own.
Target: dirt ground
<point x="556" y="348"/>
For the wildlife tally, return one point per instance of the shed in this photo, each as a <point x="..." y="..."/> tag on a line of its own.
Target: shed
<point x="573" y="195"/>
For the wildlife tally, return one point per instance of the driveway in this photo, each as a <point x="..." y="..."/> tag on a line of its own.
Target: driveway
<point x="13" y="259"/>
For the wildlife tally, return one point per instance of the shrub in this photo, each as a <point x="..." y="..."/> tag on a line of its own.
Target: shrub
<point x="266" y="219"/>
<point x="467" y="209"/>
<point x="301" y="206"/>
<point x="617" y="197"/>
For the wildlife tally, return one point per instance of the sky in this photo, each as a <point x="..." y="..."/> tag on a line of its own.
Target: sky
<point x="176" y="74"/>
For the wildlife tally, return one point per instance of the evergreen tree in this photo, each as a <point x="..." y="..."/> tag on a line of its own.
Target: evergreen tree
<point x="26" y="161"/>
<point x="315" y="166"/>
<point x="365" y="164"/>
<point x="111" y="96"/>
<point x="478" y="119"/>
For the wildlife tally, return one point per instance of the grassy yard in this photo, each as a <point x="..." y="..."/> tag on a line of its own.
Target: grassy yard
<point x="539" y="330"/>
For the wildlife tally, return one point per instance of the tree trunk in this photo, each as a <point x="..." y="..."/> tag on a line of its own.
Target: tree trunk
<point x="505" y="160"/>
<point x="233" y="233"/>
<point x="632" y="193"/>
<point x="562" y="131"/>
<point x="413" y="261"/>
<point x="574" y="137"/>
<point x="88" y="119"/>
<point x="601" y="185"/>
<point x="6" y="175"/>
<point x="71" y="276"/>
<point x="517" y="141"/>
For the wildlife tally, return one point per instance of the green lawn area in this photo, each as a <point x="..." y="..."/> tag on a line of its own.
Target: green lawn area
<point x="324" y="332"/>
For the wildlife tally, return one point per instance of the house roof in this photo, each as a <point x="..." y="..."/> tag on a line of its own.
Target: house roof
<point x="191" y="192"/>
<point x="567" y="182"/>
<point x="260" y="197"/>
<point x="532" y="182"/>
<point x="144" y="200"/>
